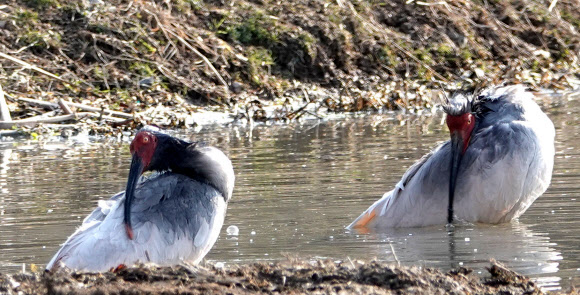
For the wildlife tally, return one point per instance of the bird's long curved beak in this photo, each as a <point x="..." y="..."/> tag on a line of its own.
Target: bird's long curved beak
<point x="457" y="149"/>
<point x="134" y="174"/>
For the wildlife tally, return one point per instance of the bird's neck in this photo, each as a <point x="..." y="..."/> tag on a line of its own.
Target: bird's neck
<point x="204" y="164"/>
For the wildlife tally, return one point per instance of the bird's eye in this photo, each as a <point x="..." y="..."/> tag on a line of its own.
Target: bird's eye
<point x="469" y="120"/>
<point x="145" y="139"/>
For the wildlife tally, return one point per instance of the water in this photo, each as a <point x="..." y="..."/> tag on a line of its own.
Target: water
<point x="297" y="187"/>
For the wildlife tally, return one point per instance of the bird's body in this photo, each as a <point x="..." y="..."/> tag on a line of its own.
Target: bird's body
<point x="175" y="215"/>
<point x="504" y="165"/>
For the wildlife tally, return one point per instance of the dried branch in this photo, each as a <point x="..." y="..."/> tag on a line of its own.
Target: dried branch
<point x="374" y="27"/>
<point x="552" y="5"/>
<point x="33" y="121"/>
<point x="19" y="61"/>
<point x="65" y="108"/>
<point x="203" y="58"/>
<point x="76" y="105"/>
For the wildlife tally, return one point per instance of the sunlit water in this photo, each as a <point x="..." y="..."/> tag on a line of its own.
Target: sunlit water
<point x="297" y="187"/>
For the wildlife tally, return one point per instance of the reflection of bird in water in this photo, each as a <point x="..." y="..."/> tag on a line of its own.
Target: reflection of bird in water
<point x="498" y="161"/>
<point x="170" y="218"/>
<point x="525" y="249"/>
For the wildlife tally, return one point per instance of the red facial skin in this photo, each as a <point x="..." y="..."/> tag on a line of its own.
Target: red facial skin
<point x="144" y="145"/>
<point x="461" y="125"/>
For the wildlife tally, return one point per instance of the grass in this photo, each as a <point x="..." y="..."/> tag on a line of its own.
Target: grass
<point x="42" y="3"/>
<point x="142" y="69"/>
<point x="41" y="40"/>
<point x="259" y="61"/>
<point x="257" y="30"/>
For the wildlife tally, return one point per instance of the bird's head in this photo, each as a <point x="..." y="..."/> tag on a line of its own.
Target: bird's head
<point x="460" y="120"/>
<point x="143" y="147"/>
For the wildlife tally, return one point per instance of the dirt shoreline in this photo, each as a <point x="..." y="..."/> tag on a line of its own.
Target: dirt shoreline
<point x="289" y="277"/>
<point x="119" y="64"/>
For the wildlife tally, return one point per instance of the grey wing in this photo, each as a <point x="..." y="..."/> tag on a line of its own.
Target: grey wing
<point x="502" y="172"/>
<point x="418" y="199"/>
<point x="439" y="151"/>
<point x="180" y="208"/>
<point x="424" y="199"/>
<point x="173" y="202"/>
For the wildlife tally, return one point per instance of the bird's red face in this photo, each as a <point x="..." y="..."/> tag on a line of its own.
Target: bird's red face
<point x="143" y="146"/>
<point x="461" y="126"/>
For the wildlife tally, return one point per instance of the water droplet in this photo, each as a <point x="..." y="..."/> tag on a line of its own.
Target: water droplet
<point x="233" y="230"/>
<point x="253" y="233"/>
<point x="467" y="239"/>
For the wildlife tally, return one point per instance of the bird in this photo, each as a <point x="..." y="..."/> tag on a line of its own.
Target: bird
<point x="497" y="162"/>
<point x="171" y="217"/>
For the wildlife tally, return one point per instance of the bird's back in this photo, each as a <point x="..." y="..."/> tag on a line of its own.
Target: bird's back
<point x="175" y="219"/>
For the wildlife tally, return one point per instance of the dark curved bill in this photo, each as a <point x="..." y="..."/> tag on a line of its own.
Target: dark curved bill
<point x="134" y="174"/>
<point x="456" y="155"/>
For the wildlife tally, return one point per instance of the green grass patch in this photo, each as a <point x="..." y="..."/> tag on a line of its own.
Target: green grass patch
<point x="142" y="69"/>
<point x="259" y="59"/>
<point x="42" y="3"/>
<point x="257" y="30"/>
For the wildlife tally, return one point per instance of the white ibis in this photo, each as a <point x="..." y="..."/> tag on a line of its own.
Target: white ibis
<point x="498" y="162"/>
<point x="169" y="218"/>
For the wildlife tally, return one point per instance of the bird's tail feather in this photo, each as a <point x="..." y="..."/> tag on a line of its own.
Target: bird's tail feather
<point x="367" y="219"/>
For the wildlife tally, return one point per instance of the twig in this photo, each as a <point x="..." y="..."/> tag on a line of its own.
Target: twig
<point x="33" y="121"/>
<point x="4" y="111"/>
<point x="9" y="132"/>
<point x="19" y="61"/>
<point x="371" y="26"/>
<point x="297" y="112"/>
<point x="41" y="103"/>
<point x="552" y="5"/>
<point x="351" y="263"/>
<point x="166" y="31"/>
<point x="94" y="109"/>
<point x="313" y="114"/>
<point x="64" y="107"/>
<point x="203" y="58"/>
<point x="431" y="3"/>
<point x="394" y="254"/>
<point x="76" y="105"/>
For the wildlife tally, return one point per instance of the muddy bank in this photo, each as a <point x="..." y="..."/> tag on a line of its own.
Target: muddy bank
<point x="159" y="62"/>
<point x="297" y="277"/>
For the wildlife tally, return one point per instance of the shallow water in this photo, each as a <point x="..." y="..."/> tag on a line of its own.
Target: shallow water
<point x="297" y="187"/>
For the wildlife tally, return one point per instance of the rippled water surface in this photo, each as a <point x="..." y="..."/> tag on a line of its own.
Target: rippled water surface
<point x="297" y="187"/>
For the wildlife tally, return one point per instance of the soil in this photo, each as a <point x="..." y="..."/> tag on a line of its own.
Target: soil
<point x="290" y="277"/>
<point x="165" y="60"/>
